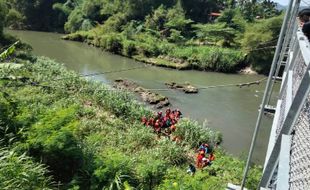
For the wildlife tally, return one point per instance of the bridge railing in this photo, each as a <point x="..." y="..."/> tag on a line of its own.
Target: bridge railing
<point x="292" y="118"/>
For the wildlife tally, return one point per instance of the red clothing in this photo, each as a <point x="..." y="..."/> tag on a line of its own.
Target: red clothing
<point x="199" y="162"/>
<point x="151" y="122"/>
<point x="157" y="126"/>
<point x="144" y="120"/>
<point x="211" y="157"/>
<point x="200" y="157"/>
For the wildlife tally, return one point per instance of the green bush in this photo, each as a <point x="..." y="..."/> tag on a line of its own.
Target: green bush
<point x="210" y="58"/>
<point x="112" y="169"/>
<point x="194" y="134"/>
<point x="177" y="178"/>
<point x="14" y="19"/>
<point x="52" y="140"/>
<point x="21" y="172"/>
<point x="112" y="43"/>
<point x="150" y="170"/>
<point x="75" y="21"/>
<point x="129" y="48"/>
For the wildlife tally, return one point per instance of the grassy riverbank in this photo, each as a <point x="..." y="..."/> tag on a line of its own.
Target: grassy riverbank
<point x="90" y="137"/>
<point x="155" y="51"/>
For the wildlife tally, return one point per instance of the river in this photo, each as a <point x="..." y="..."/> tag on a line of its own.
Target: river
<point x="231" y="110"/>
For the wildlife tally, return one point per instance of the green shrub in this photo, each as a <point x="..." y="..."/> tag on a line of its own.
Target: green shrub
<point x="113" y="24"/>
<point x="14" y="19"/>
<point x="52" y="140"/>
<point x="75" y="21"/>
<point x="210" y="58"/>
<point x="177" y="178"/>
<point x="194" y="134"/>
<point x="150" y="170"/>
<point x="112" y="43"/>
<point x="112" y="169"/>
<point x="21" y="172"/>
<point x="129" y="48"/>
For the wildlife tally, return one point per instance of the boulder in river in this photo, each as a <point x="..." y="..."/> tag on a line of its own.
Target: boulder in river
<point x="159" y="101"/>
<point x="187" y="88"/>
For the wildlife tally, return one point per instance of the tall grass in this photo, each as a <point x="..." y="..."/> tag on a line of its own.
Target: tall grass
<point x="210" y="58"/>
<point x="18" y="171"/>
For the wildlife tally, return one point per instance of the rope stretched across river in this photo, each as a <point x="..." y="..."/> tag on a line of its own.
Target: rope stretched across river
<point x="150" y="89"/>
<point x="216" y="86"/>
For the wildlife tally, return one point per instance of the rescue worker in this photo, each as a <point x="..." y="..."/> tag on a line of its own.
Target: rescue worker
<point x="151" y="122"/>
<point x="178" y="114"/>
<point x="168" y="111"/>
<point x="211" y="157"/>
<point x="173" y="128"/>
<point x="199" y="161"/>
<point x="159" y="116"/>
<point x="157" y="128"/>
<point x="204" y="147"/>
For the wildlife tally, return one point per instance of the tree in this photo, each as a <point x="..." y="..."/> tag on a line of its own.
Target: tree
<point x="39" y="14"/>
<point x="138" y="9"/>
<point x="199" y="10"/>
<point x="75" y="21"/>
<point x="14" y="19"/>
<point x="233" y="19"/>
<point x="259" y="42"/>
<point x="216" y="33"/>
<point x="3" y="12"/>
<point x="157" y="20"/>
<point x="171" y="23"/>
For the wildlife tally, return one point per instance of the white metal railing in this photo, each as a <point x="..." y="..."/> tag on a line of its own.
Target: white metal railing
<point x="292" y="117"/>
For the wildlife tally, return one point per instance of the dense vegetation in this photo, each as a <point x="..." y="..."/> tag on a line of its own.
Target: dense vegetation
<point x="58" y="130"/>
<point x="174" y="33"/>
<point x="73" y="133"/>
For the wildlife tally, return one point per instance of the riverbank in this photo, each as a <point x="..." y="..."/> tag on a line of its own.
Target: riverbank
<point x="85" y="121"/>
<point x="148" y="49"/>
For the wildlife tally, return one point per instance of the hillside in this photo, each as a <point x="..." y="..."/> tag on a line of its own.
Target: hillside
<point x="80" y="134"/>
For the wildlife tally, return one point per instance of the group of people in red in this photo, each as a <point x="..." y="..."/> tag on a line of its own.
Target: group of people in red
<point x="202" y="158"/>
<point x="163" y="123"/>
<point x="205" y="157"/>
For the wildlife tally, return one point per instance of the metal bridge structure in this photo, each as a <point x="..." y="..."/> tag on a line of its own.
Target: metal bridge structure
<point x="287" y="163"/>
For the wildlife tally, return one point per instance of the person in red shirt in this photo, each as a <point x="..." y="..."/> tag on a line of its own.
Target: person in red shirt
<point x="157" y="127"/>
<point x="199" y="161"/>
<point x="168" y="111"/>
<point x="151" y="122"/>
<point x="173" y="128"/>
<point x="144" y="120"/>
